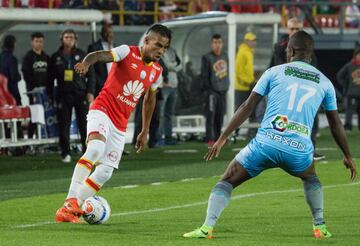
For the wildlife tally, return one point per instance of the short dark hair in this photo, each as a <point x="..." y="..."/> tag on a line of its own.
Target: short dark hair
<point x="37" y="35"/>
<point x="160" y="29"/>
<point x="9" y="42"/>
<point x="216" y="36"/>
<point x="301" y="41"/>
<point x="104" y="27"/>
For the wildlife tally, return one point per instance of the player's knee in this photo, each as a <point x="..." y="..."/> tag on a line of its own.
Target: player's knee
<point x="311" y="183"/>
<point x="102" y="174"/>
<point x="95" y="149"/>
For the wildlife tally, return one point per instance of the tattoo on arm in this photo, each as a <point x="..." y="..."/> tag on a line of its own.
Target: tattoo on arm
<point x="99" y="56"/>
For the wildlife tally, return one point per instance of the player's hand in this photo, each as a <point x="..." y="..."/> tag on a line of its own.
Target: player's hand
<point x="141" y="142"/>
<point x="215" y="149"/>
<point x="350" y="164"/>
<point x="81" y="68"/>
<point x="90" y="98"/>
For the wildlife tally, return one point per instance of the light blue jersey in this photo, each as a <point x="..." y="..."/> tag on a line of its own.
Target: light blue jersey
<point x="295" y="92"/>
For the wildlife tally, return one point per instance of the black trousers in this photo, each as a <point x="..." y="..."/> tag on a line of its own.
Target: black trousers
<point x="349" y="111"/>
<point x="214" y="113"/>
<point x="65" y="104"/>
<point x="154" y="134"/>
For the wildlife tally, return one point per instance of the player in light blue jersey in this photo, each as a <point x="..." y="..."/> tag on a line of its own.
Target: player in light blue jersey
<point x="295" y="92"/>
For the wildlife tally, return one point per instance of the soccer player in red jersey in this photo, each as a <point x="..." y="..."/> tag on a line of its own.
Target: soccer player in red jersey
<point x="135" y="71"/>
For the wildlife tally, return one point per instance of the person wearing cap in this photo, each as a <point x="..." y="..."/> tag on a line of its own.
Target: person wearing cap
<point x="244" y="69"/>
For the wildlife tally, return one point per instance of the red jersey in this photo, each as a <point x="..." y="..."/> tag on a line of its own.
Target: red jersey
<point x="128" y="80"/>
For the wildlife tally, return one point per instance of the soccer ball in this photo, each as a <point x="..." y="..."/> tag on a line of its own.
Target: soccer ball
<point x="96" y="210"/>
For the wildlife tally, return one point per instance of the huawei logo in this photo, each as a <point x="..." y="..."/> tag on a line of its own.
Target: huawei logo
<point x="135" y="88"/>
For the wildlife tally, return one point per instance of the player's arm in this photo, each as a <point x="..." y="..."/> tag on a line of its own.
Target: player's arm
<point x="338" y="132"/>
<point x="94" y="57"/>
<point x="241" y="114"/>
<point x="104" y="56"/>
<point x="147" y="112"/>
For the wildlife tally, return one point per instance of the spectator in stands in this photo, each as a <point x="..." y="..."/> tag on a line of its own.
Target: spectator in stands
<point x="35" y="69"/>
<point x="71" y="4"/>
<point x="73" y="90"/>
<point x="169" y="92"/>
<point x="349" y="78"/>
<point x="279" y="57"/>
<point x="350" y="11"/>
<point x="111" y="5"/>
<point x="104" y="43"/>
<point x="9" y="66"/>
<point x="215" y="83"/>
<point x="167" y="8"/>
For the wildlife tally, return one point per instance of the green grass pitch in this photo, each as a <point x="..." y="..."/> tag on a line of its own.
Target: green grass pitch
<point x="269" y="210"/>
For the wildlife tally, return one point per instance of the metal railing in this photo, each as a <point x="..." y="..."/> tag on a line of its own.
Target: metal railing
<point x="194" y="6"/>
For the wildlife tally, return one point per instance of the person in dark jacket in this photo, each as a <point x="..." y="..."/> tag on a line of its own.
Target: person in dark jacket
<point x="35" y="69"/>
<point x="215" y="83"/>
<point x="279" y="57"/>
<point x="73" y="90"/>
<point x="9" y="67"/>
<point x="104" y="43"/>
<point x="349" y="78"/>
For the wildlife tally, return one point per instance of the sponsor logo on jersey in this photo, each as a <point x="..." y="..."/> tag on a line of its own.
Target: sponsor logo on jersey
<point x="135" y="56"/>
<point x="156" y="67"/>
<point x="281" y="123"/>
<point x="302" y="74"/>
<point x="134" y="89"/>
<point x="285" y="140"/>
<point x="133" y="65"/>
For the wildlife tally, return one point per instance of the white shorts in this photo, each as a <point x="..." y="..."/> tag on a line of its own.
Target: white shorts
<point x="99" y="122"/>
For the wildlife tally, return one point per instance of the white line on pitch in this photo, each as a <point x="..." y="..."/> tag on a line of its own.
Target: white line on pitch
<point x="193" y="204"/>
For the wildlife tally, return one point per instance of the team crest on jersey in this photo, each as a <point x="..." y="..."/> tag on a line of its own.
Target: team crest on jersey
<point x="113" y="156"/>
<point x="135" y="88"/>
<point x="152" y="75"/>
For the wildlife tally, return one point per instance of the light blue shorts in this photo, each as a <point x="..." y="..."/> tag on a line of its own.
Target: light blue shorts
<point x="256" y="157"/>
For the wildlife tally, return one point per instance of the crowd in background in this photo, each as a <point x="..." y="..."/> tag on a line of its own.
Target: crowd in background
<point x="324" y="14"/>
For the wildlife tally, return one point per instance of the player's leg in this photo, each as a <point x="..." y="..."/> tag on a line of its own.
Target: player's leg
<point x="107" y="163"/>
<point x="98" y="130"/>
<point x="249" y="163"/>
<point x="219" y="198"/>
<point x="314" y="197"/>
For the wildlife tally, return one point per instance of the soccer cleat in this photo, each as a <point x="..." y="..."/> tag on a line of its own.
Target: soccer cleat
<point x="318" y="157"/>
<point x="72" y="206"/>
<point x="63" y="215"/>
<point x="320" y="231"/>
<point x="202" y="232"/>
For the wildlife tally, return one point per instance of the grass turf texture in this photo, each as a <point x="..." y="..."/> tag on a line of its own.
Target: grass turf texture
<point x="32" y="188"/>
